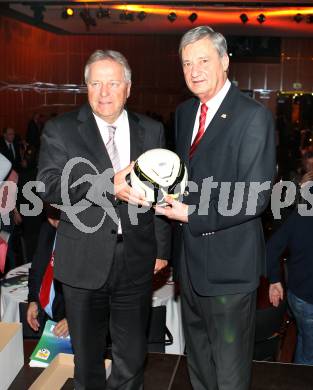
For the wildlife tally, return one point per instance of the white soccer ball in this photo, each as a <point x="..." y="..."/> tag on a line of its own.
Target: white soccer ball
<point x="157" y="173"/>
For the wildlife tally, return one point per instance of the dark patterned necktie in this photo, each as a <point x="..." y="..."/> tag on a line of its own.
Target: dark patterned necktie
<point x="204" y="110"/>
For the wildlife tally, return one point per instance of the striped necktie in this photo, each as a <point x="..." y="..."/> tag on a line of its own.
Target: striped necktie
<point x="47" y="292"/>
<point x="204" y="110"/>
<point x="112" y="149"/>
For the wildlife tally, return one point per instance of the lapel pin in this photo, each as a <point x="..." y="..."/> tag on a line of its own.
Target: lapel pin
<point x="223" y="116"/>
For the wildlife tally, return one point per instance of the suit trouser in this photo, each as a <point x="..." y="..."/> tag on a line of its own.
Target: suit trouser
<point x="121" y="306"/>
<point x="219" y="333"/>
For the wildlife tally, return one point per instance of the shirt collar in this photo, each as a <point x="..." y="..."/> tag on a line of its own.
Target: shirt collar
<point x="117" y="123"/>
<point x="216" y="100"/>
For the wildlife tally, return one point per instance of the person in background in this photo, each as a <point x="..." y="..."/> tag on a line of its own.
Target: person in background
<point x="10" y="216"/>
<point x="39" y="265"/>
<point x="295" y="234"/>
<point x="223" y="135"/>
<point x="5" y="167"/>
<point x="9" y="147"/>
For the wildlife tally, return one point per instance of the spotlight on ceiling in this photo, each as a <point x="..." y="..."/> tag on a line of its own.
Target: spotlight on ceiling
<point x="172" y="17"/>
<point x="38" y="10"/>
<point x="141" y="15"/>
<point x="87" y="18"/>
<point x="244" y="18"/>
<point x="67" y="13"/>
<point x="261" y="18"/>
<point x="126" y="16"/>
<point x="129" y="16"/>
<point x="193" y="17"/>
<point x="309" y="19"/>
<point x="123" y="16"/>
<point x="103" y="13"/>
<point x="298" y="18"/>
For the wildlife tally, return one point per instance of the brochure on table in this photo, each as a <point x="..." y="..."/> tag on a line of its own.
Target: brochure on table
<point x="49" y="346"/>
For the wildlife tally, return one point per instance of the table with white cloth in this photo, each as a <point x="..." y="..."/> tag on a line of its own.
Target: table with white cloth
<point x="166" y="296"/>
<point x="14" y="289"/>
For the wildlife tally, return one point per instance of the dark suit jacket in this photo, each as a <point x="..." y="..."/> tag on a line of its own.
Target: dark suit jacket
<point x="33" y="134"/>
<point x="16" y="162"/>
<point x="225" y="254"/>
<point x="40" y="262"/>
<point x="84" y="259"/>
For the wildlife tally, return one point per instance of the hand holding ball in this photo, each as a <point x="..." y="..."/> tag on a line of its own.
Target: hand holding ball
<point x="158" y="173"/>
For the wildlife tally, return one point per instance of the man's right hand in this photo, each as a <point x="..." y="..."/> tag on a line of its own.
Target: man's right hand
<point x="126" y="193"/>
<point x="306" y="177"/>
<point x="32" y="316"/>
<point x="276" y="293"/>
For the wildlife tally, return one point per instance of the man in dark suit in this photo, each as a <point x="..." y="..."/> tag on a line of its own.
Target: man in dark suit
<point x="10" y="148"/>
<point x="35" y="315"/>
<point x="106" y="253"/>
<point x="225" y="139"/>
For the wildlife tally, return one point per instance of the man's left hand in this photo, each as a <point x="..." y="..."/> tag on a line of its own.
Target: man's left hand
<point x="159" y="265"/>
<point x="173" y="210"/>
<point x="61" y="328"/>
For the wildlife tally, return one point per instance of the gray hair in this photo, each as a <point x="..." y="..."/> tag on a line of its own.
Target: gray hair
<point x="201" y="32"/>
<point x="116" y="56"/>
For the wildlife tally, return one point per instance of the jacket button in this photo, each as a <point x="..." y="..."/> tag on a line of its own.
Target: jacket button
<point x="113" y="231"/>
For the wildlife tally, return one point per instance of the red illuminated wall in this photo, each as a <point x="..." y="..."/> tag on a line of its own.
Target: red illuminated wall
<point x="32" y="55"/>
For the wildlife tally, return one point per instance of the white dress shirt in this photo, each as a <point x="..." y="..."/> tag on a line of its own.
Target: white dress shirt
<point x="121" y="139"/>
<point x="213" y="105"/>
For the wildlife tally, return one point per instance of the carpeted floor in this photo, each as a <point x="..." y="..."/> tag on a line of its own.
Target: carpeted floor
<point x="169" y="372"/>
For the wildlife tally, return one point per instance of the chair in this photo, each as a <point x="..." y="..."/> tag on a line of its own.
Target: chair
<point x="269" y="331"/>
<point x="158" y="334"/>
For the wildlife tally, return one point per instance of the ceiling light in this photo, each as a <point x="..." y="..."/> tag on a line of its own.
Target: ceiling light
<point x="244" y="18"/>
<point x="261" y="18"/>
<point x="193" y="17"/>
<point x="38" y="10"/>
<point x="123" y="16"/>
<point x="141" y="15"/>
<point x="87" y="19"/>
<point x="172" y="17"/>
<point x="103" y="13"/>
<point x="126" y="16"/>
<point x="298" y="18"/>
<point x="67" y="13"/>
<point x="129" y="16"/>
<point x="309" y="19"/>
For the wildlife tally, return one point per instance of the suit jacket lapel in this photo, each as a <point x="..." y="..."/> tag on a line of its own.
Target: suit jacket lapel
<point x="90" y="133"/>
<point x="185" y="130"/>
<point x="136" y="136"/>
<point x="220" y="122"/>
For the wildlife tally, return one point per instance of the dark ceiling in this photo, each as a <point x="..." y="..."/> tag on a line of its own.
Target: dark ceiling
<point x="128" y="17"/>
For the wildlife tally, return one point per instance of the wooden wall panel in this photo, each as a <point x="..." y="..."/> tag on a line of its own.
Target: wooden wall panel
<point x="290" y="69"/>
<point x="33" y="55"/>
<point x="273" y="76"/>
<point x="258" y="76"/>
<point x="241" y="73"/>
